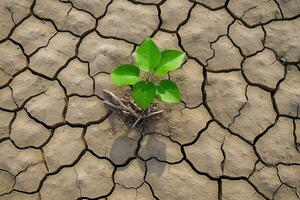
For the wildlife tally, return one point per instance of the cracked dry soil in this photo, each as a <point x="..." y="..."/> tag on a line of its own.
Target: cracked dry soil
<point x="235" y="136"/>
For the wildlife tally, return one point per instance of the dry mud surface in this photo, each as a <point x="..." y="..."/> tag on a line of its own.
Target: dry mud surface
<point x="235" y="136"/>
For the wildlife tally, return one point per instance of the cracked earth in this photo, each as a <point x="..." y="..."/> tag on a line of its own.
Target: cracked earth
<point x="235" y="136"/>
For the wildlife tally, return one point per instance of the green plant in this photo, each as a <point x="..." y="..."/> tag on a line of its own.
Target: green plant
<point x="151" y="62"/>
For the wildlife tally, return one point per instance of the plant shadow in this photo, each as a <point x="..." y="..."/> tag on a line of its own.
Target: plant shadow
<point x="132" y="143"/>
<point x="154" y="149"/>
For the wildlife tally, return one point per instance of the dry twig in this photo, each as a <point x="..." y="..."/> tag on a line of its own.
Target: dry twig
<point x="119" y="105"/>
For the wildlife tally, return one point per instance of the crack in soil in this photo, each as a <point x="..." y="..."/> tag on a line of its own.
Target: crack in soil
<point x="155" y="193"/>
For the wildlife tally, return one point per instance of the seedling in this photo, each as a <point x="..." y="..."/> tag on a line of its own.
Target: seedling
<point x="150" y="62"/>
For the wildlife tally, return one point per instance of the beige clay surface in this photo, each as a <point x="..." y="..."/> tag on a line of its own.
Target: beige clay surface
<point x="235" y="136"/>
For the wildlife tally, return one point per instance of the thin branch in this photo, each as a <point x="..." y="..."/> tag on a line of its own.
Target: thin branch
<point x="113" y="96"/>
<point x="118" y="108"/>
<point x="136" y="122"/>
<point x="112" y="105"/>
<point x="126" y="109"/>
<point x="136" y="106"/>
<point x="122" y="105"/>
<point x="155" y="113"/>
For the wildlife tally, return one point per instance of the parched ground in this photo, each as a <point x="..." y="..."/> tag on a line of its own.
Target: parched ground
<point x="235" y="136"/>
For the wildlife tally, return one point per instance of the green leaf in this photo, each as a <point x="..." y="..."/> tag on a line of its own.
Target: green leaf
<point x="147" y="55"/>
<point x="170" y="60"/>
<point x="127" y="74"/>
<point x="143" y="93"/>
<point x="168" y="91"/>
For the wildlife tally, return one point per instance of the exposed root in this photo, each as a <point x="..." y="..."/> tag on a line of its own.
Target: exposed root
<point x="129" y="108"/>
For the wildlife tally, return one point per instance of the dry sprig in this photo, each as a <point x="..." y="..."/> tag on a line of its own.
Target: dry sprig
<point x="129" y="108"/>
